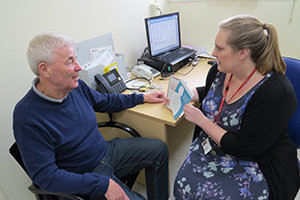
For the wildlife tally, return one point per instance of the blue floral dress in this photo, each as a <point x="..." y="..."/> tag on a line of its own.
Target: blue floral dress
<point x="217" y="175"/>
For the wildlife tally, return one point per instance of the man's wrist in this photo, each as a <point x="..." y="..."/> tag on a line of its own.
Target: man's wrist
<point x="140" y="98"/>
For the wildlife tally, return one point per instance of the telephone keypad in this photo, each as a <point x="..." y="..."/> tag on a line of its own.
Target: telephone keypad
<point x="119" y="87"/>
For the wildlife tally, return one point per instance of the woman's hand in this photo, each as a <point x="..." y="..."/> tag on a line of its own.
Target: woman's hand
<point x="193" y="114"/>
<point x="196" y="116"/>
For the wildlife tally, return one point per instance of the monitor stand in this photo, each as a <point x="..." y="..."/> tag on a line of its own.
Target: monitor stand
<point x="165" y="68"/>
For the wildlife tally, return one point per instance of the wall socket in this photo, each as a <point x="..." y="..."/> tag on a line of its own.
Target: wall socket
<point x="155" y="9"/>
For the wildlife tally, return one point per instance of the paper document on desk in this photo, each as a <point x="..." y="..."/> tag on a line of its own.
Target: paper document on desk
<point x="104" y="59"/>
<point x="179" y="94"/>
<point x="97" y="52"/>
<point x="202" y="52"/>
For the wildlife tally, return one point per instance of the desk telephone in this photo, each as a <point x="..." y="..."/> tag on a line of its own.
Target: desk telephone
<point x="145" y="71"/>
<point x="110" y="82"/>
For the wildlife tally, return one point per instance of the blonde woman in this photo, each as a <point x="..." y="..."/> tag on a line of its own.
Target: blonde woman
<point x="241" y="149"/>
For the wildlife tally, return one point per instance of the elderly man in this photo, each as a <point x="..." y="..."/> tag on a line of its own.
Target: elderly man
<point x="56" y="130"/>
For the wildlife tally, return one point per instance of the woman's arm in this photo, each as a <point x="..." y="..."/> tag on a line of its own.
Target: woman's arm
<point x="264" y="120"/>
<point x="201" y="92"/>
<point x="196" y="116"/>
<point x="196" y="95"/>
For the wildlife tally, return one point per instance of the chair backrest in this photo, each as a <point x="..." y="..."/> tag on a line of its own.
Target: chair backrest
<point x="128" y="180"/>
<point x="293" y="73"/>
<point x="35" y="189"/>
<point x="14" y="151"/>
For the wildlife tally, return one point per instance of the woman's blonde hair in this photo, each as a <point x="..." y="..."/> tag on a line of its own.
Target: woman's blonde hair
<point x="247" y="32"/>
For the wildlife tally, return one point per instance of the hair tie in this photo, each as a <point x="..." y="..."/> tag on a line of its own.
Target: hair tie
<point x="265" y="26"/>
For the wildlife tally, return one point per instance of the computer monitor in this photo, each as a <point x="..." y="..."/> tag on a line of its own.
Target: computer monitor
<point x="163" y="33"/>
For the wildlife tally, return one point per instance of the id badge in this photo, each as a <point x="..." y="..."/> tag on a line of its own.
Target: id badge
<point x="206" y="146"/>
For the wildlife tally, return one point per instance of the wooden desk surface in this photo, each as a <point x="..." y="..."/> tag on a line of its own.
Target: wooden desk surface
<point x="158" y="112"/>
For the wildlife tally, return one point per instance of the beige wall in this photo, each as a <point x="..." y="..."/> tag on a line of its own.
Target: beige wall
<point x="199" y="20"/>
<point x="81" y="20"/>
<point x="21" y="20"/>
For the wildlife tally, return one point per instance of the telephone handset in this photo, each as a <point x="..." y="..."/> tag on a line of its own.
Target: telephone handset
<point x="145" y="71"/>
<point x="110" y="82"/>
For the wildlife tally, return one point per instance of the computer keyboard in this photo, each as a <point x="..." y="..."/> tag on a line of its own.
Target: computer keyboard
<point x="177" y="55"/>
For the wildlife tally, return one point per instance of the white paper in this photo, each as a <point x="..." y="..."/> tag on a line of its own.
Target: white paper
<point x="104" y="59"/>
<point x="179" y="94"/>
<point x="97" y="52"/>
<point x="202" y="52"/>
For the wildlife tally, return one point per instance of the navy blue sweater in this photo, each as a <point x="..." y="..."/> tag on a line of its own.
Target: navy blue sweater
<point x="60" y="142"/>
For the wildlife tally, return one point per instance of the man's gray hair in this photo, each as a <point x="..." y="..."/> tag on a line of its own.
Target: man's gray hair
<point x="42" y="49"/>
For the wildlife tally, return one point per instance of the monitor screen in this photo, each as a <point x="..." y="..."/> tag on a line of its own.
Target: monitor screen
<point x="163" y="33"/>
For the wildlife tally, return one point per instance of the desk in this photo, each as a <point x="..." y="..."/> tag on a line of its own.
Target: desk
<point x="152" y="119"/>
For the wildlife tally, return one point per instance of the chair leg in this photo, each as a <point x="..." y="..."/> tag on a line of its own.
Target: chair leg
<point x="129" y="180"/>
<point x="46" y="197"/>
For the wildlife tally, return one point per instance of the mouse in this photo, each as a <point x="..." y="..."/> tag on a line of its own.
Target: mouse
<point x="195" y="61"/>
<point x="211" y="62"/>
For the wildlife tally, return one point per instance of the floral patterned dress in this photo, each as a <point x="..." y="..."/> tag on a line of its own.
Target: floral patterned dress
<point x="217" y="175"/>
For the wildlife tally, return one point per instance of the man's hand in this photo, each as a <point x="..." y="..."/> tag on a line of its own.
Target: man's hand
<point x="156" y="97"/>
<point x="115" y="192"/>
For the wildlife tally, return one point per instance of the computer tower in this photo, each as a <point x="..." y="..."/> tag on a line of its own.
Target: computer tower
<point x="164" y="68"/>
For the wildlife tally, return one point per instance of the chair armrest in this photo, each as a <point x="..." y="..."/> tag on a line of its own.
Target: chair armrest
<point x="38" y="191"/>
<point x="119" y="125"/>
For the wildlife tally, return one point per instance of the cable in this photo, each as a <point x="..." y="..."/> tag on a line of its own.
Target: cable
<point x="161" y="71"/>
<point x="144" y="52"/>
<point x="141" y="88"/>
<point x="186" y="72"/>
<point x="292" y="11"/>
<point x="160" y="11"/>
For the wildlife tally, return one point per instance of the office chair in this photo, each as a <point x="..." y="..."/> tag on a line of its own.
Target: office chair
<point x="44" y="195"/>
<point x="293" y="73"/>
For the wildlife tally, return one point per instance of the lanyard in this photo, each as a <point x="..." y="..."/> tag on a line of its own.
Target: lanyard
<point x="226" y="91"/>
